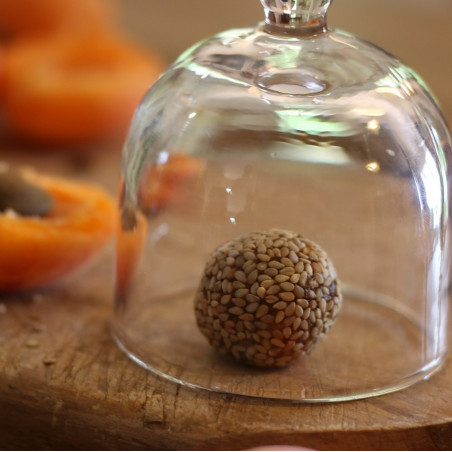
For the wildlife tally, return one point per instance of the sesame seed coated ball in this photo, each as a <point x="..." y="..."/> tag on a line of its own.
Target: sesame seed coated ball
<point x="266" y="298"/>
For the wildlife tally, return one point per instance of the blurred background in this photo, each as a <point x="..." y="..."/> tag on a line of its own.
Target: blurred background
<point x="68" y="90"/>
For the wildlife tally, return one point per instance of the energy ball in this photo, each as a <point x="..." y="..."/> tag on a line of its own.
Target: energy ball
<point x="266" y="298"/>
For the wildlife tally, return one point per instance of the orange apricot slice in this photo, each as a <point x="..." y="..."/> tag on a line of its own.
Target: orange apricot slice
<point x="130" y="240"/>
<point x="2" y="70"/>
<point x="39" y="251"/>
<point x="165" y="183"/>
<point x="72" y="91"/>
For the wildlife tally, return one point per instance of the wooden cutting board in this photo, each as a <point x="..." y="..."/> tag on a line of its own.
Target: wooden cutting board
<point x="65" y="385"/>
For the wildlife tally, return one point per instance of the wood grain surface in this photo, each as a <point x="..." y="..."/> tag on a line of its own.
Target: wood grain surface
<point x="65" y="385"/>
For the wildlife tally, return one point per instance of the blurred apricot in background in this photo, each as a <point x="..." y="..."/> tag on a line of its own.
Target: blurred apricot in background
<point x="68" y="74"/>
<point x="32" y="18"/>
<point x="75" y="90"/>
<point x="166" y="183"/>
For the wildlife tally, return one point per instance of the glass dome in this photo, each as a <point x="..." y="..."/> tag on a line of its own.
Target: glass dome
<point x="259" y="142"/>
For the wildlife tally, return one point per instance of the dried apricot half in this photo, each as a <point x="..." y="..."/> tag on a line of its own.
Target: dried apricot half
<point x="40" y="249"/>
<point x="75" y="90"/>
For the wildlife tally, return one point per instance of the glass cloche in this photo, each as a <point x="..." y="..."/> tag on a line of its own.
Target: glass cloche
<point x="284" y="217"/>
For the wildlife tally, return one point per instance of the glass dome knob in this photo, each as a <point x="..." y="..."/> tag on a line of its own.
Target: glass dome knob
<point x="296" y="15"/>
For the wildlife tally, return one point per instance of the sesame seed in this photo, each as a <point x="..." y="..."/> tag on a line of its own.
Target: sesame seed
<point x="263" y="257"/>
<point x="286" y="262"/>
<point x="251" y="298"/>
<point x="296" y="323"/>
<point x="282" y="278"/>
<point x="306" y="313"/>
<point x="293" y="256"/>
<point x="238" y="302"/>
<point x="262" y="310"/>
<point x="290" y="310"/>
<point x="289" y="271"/>
<point x="271" y="299"/>
<point x="276" y="264"/>
<point x="32" y="343"/>
<point x="273" y="290"/>
<point x="238" y="285"/>
<point x="249" y="256"/>
<point x="287" y="286"/>
<point x="288" y="321"/>
<point x="287" y="332"/>
<point x="267" y="284"/>
<point x="239" y="293"/>
<point x="277" y="342"/>
<point x="252" y="276"/>
<point x="268" y="318"/>
<point x="252" y="307"/>
<point x="278" y="334"/>
<point x="287" y="296"/>
<point x="271" y="271"/>
<point x="279" y="316"/>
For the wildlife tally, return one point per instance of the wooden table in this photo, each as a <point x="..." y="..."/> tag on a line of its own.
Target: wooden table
<point x="65" y="385"/>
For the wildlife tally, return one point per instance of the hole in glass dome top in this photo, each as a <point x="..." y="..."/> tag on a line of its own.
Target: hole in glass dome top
<point x="292" y="84"/>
